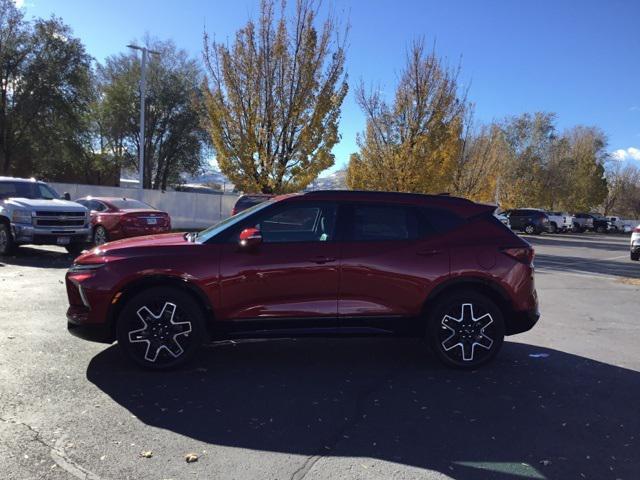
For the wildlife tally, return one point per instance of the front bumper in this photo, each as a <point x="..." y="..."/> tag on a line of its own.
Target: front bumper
<point x="49" y="236"/>
<point x="95" y="332"/>
<point x="521" y="321"/>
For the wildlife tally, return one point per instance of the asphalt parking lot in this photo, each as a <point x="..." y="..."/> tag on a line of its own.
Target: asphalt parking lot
<point x="560" y="401"/>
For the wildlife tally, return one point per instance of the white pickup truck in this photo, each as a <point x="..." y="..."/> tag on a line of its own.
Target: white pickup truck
<point x="31" y="212"/>
<point x="560" y="222"/>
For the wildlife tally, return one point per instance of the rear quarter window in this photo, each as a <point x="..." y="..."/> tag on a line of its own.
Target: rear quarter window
<point x="378" y="222"/>
<point x="439" y="220"/>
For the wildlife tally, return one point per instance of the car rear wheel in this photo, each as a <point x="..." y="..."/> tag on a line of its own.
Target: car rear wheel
<point x="465" y="330"/>
<point x="6" y="240"/>
<point x="100" y="235"/>
<point x="160" y="328"/>
<point x="553" y="228"/>
<point x="635" y="256"/>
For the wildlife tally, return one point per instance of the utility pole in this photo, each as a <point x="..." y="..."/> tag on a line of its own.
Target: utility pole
<point x="143" y="94"/>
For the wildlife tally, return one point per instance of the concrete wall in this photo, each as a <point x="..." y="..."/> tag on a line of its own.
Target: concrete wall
<point x="188" y="210"/>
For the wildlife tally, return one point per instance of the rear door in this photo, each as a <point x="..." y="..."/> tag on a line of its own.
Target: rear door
<point x="390" y="255"/>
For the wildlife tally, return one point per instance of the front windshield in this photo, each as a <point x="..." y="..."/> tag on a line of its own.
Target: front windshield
<point x="30" y="190"/>
<point x="213" y="230"/>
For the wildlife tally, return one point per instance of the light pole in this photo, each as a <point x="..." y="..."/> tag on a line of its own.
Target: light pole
<point x="143" y="94"/>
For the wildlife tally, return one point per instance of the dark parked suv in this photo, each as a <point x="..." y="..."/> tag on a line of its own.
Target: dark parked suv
<point x="528" y="220"/>
<point x="317" y="263"/>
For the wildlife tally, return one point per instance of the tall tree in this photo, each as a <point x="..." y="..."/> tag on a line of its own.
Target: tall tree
<point x="175" y="142"/>
<point x="587" y="184"/>
<point x="623" y="197"/>
<point x="480" y="161"/>
<point x="530" y="138"/>
<point x="44" y="92"/>
<point x="411" y="145"/>
<point x="273" y="99"/>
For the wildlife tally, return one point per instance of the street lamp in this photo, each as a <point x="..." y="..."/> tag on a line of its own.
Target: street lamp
<point x="143" y="93"/>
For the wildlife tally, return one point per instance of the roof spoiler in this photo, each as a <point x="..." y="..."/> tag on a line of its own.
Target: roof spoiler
<point x="482" y="210"/>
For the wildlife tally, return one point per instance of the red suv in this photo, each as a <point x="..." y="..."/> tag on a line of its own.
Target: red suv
<point x="317" y="263"/>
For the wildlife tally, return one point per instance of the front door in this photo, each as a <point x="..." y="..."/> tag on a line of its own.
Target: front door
<point x="291" y="275"/>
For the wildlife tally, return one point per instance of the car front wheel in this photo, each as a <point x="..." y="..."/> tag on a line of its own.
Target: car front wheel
<point x="529" y="229"/>
<point x="160" y="328"/>
<point x="635" y="256"/>
<point x="465" y="330"/>
<point x="6" y="240"/>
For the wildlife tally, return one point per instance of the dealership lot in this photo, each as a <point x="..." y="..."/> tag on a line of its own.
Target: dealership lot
<point x="560" y="401"/>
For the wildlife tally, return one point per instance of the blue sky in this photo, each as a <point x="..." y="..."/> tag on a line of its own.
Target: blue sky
<point x="580" y="59"/>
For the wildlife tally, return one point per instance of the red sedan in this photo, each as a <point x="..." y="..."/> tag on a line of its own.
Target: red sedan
<point x="116" y="218"/>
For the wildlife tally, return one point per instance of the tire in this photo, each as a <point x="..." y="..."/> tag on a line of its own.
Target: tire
<point x="530" y="229"/>
<point x="451" y="323"/>
<point x="601" y="229"/>
<point x="7" y="246"/>
<point x="76" y="248"/>
<point x="553" y="228"/>
<point x="176" y="319"/>
<point x="635" y="256"/>
<point x="100" y="235"/>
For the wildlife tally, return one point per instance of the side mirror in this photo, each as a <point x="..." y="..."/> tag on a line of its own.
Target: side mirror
<point x="250" y="238"/>
<point x="66" y="196"/>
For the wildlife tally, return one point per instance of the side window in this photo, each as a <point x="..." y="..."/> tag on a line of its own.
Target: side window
<point x="440" y="220"/>
<point x="383" y="223"/>
<point x="299" y="223"/>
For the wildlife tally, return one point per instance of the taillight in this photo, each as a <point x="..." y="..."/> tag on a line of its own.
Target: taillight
<point x="521" y="254"/>
<point x="233" y="211"/>
<point x="637" y="229"/>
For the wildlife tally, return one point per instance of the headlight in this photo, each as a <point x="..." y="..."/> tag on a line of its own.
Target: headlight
<point x="89" y="267"/>
<point x="21" y="216"/>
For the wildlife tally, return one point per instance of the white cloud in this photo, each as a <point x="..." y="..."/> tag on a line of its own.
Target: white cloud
<point x="19" y="3"/>
<point x="630" y="153"/>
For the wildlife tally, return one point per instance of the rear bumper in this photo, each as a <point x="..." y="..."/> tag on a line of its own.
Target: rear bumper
<point x="94" y="332"/>
<point x="520" y="322"/>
